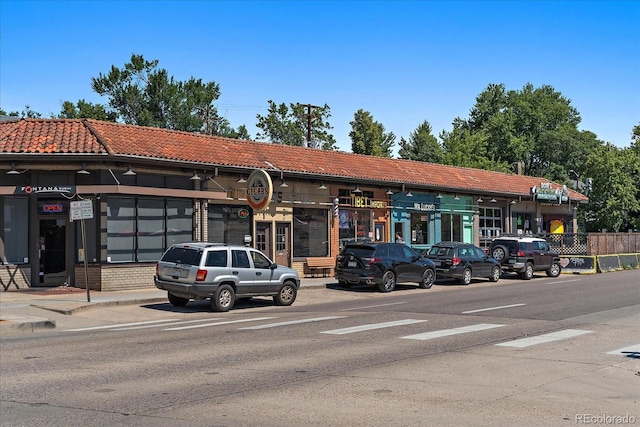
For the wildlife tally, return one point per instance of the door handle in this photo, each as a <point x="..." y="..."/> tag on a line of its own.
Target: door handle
<point x="234" y="273"/>
<point x="258" y="273"/>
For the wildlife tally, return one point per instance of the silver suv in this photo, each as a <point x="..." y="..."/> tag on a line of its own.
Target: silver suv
<point x="223" y="273"/>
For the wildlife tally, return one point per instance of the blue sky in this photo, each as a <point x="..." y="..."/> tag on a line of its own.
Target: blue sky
<point x="404" y="62"/>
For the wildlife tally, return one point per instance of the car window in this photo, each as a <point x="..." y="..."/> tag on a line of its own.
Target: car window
<point x="216" y="259"/>
<point x="409" y="252"/>
<point x="360" y="252"/>
<point x="439" y="251"/>
<point x="479" y="253"/>
<point x="382" y="251"/>
<point x="543" y="246"/>
<point x="240" y="259"/>
<point x="260" y="261"/>
<point x="396" y="251"/>
<point x="181" y="255"/>
<point x="462" y="252"/>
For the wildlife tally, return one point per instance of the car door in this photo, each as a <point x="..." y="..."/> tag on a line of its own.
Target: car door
<point x="241" y="268"/>
<point x="266" y="278"/>
<point x="542" y="257"/>
<point x="481" y="262"/>
<point x="411" y="269"/>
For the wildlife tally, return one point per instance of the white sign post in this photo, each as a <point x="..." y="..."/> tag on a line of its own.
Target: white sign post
<point x="82" y="210"/>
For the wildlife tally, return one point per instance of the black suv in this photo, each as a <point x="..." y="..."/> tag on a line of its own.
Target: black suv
<point x="463" y="261"/>
<point x="382" y="265"/>
<point x="524" y="255"/>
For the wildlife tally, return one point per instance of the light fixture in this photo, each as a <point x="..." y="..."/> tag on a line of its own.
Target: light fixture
<point x="439" y="196"/>
<point x="13" y="170"/>
<point x="493" y="200"/>
<point x="241" y="180"/>
<point x="195" y="176"/>
<point x="322" y="186"/>
<point x="456" y="198"/>
<point x="479" y="200"/>
<point x="513" y="202"/>
<point x="283" y="184"/>
<point x="389" y="192"/>
<point x="357" y="190"/>
<point x="409" y="194"/>
<point x="129" y="172"/>
<point x="84" y="170"/>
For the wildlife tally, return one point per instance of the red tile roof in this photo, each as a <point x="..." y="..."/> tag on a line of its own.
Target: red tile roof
<point x="76" y="136"/>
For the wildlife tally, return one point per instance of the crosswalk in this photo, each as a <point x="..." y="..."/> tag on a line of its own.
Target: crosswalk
<point x="268" y="322"/>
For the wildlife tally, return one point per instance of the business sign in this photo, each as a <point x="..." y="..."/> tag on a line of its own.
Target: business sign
<point x="547" y="193"/>
<point x="259" y="190"/>
<point x="366" y="202"/>
<point x="57" y="189"/>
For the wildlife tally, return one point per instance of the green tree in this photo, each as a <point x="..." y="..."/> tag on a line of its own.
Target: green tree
<point x="421" y="146"/>
<point x="613" y="199"/>
<point x="27" y="113"/>
<point x="369" y="137"/>
<point x="467" y="149"/>
<point x="86" y="110"/>
<point x="291" y="125"/>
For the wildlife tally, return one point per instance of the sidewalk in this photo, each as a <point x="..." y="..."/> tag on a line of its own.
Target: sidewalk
<point x="16" y="304"/>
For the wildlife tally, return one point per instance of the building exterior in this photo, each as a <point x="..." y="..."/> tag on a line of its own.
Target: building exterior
<point x="84" y="201"/>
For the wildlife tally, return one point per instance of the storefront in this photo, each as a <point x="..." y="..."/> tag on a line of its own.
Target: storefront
<point x="363" y="215"/>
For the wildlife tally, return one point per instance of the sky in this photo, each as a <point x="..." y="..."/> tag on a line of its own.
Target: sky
<point x="402" y="61"/>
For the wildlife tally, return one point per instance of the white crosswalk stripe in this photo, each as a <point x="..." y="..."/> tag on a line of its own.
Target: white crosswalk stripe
<point x="454" y="331"/>
<point x="183" y="322"/>
<point x="293" y="322"/>
<point x="631" y="351"/>
<point x="372" y="326"/>
<point x="226" y="322"/>
<point x="553" y="336"/>
<point x="95" y="328"/>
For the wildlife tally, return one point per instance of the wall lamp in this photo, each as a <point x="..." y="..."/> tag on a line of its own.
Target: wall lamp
<point x="357" y="190"/>
<point x="283" y="183"/>
<point x="479" y="200"/>
<point x="129" y="172"/>
<point x="389" y="192"/>
<point x="439" y="196"/>
<point x="195" y="176"/>
<point x="493" y="200"/>
<point x="322" y="186"/>
<point x="13" y="170"/>
<point x="241" y="180"/>
<point x="457" y="197"/>
<point x="83" y="170"/>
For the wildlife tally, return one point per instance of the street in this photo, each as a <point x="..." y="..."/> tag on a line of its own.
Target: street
<point x="544" y="352"/>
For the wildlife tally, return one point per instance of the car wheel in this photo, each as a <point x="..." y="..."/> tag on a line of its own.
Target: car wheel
<point x="495" y="274"/>
<point x="554" y="270"/>
<point x="286" y="295"/>
<point x="223" y="299"/>
<point x="466" y="277"/>
<point x="428" y="277"/>
<point x="499" y="253"/>
<point x="527" y="274"/>
<point x="177" y="301"/>
<point x="344" y="284"/>
<point x="388" y="282"/>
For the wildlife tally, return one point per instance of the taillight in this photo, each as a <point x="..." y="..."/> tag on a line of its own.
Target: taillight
<point x="372" y="260"/>
<point x="201" y="275"/>
<point x="520" y="253"/>
<point x="455" y="261"/>
<point x="156" y="269"/>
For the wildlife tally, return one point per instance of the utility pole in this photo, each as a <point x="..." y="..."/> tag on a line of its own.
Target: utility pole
<point x="310" y="119"/>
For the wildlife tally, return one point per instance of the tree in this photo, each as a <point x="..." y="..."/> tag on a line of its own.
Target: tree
<point x="290" y="125"/>
<point x="613" y="199"/>
<point x="369" y="137"/>
<point x="27" y="113"/>
<point x="421" y="146"/>
<point x="467" y="149"/>
<point x="86" y="110"/>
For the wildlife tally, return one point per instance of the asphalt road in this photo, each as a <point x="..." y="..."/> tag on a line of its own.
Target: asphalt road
<point x="560" y="351"/>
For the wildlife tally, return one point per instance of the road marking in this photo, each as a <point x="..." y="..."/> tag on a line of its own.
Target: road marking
<point x="372" y="326"/>
<point x="492" y="308"/>
<point x="565" y="281"/>
<point x="540" y="339"/>
<point x="454" y="331"/>
<point x="226" y="322"/>
<point x="294" y="322"/>
<point x="374" y="306"/>
<point x="632" y="351"/>
<point x="119" y="325"/>
<point x="183" y="322"/>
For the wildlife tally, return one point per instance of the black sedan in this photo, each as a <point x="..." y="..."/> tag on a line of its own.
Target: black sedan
<point x="463" y="261"/>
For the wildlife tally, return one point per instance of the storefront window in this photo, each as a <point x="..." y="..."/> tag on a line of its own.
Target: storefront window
<point x="310" y="232"/>
<point x="490" y="225"/>
<point x="179" y="221"/>
<point x="355" y="225"/>
<point x="150" y="229"/>
<point x="15" y="230"/>
<point x="121" y="230"/>
<point x="229" y="224"/>
<point x="419" y="228"/>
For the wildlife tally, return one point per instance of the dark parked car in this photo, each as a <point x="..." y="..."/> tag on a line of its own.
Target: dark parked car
<point x="463" y="261"/>
<point x="524" y="255"/>
<point x="383" y="265"/>
<point x="223" y="273"/>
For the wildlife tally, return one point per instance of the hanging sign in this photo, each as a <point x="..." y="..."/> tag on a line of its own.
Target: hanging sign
<point x="81" y="210"/>
<point x="259" y="190"/>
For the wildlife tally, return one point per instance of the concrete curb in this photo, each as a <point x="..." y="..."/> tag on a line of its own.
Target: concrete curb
<point x="18" y="324"/>
<point x="88" y="305"/>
